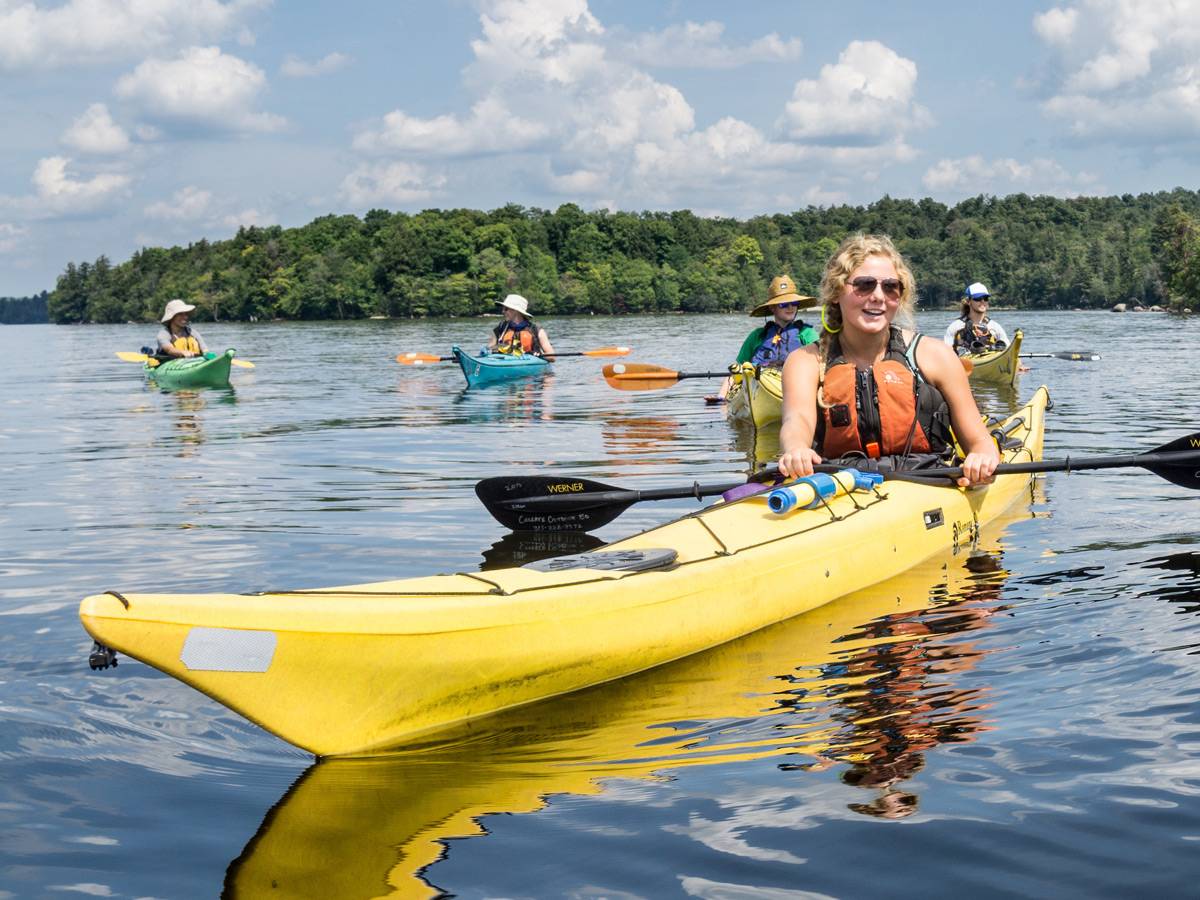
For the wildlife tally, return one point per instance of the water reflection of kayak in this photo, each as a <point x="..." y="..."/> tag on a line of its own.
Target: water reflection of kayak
<point x="830" y="687"/>
<point x="361" y="668"/>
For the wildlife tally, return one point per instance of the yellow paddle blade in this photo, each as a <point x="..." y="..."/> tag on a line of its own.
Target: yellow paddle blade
<point x="608" y="351"/>
<point x="639" y="376"/>
<point x="130" y="356"/>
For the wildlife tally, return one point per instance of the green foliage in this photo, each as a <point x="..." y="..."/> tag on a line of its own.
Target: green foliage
<point x="1031" y="251"/>
<point x="24" y="310"/>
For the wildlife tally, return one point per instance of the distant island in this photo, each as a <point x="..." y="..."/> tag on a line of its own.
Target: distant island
<point x="25" y="310"/>
<point x="1032" y="251"/>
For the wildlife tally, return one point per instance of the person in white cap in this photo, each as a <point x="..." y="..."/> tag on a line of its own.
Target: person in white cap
<point x="973" y="331"/>
<point x="177" y="337"/>
<point x="518" y="333"/>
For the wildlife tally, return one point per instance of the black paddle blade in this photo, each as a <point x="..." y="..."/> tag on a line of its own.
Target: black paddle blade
<point x="519" y="502"/>
<point x="1184" y="469"/>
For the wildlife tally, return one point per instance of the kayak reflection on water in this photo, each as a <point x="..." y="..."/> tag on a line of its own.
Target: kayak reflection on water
<point x="349" y="826"/>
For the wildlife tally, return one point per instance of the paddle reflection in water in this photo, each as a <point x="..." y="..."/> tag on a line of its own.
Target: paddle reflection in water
<point x="641" y="440"/>
<point x="519" y="548"/>
<point x="869" y="684"/>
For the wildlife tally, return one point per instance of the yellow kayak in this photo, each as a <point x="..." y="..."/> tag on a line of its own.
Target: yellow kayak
<point x="356" y="669"/>
<point x="756" y="395"/>
<point x="349" y="827"/>
<point x="998" y="365"/>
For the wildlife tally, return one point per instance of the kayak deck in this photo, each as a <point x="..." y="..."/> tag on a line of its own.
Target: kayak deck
<point x="1001" y="366"/>
<point x="490" y="368"/>
<point x="361" y="668"/>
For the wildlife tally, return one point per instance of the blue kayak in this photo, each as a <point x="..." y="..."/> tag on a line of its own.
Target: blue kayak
<point x="489" y="368"/>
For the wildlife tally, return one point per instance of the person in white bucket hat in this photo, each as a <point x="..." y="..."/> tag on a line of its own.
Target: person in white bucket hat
<point x="177" y="337"/>
<point x="518" y="333"/>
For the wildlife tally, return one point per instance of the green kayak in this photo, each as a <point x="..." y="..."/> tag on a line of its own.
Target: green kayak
<point x="211" y="370"/>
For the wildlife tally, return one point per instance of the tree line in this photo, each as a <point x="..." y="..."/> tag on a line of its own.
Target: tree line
<point x="24" y="310"/>
<point x="1032" y="251"/>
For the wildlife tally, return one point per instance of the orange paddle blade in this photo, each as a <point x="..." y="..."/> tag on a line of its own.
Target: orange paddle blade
<point x="608" y="351"/>
<point x="419" y="359"/>
<point x="639" y="376"/>
<point x="967" y="365"/>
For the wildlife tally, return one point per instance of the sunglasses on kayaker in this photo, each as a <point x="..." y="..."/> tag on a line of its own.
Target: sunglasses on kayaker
<point x="791" y="304"/>
<point x="983" y="299"/>
<point x="866" y="284"/>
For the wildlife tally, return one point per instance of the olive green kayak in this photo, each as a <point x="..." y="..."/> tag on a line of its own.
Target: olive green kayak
<point x="197" y="371"/>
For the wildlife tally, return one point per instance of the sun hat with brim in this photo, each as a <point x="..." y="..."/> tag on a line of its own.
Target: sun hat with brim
<point x="977" y="290"/>
<point x="174" y="308"/>
<point x="517" y="303"/>
<point x="782" y="290"/>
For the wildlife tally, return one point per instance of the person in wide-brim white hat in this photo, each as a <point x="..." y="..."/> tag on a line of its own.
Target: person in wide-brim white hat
<point x="178" y="338"/>
<point x="518" y="333"/>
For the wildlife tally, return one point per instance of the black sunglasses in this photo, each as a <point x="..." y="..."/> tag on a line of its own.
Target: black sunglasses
<point x="866" y="284"/>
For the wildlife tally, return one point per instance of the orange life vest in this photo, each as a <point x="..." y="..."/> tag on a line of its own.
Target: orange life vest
<point x="886" y="410"/>
<point x="517" y="340"/>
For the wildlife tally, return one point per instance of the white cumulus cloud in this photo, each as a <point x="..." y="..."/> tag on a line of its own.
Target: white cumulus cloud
<point x="1128" y="71"/>
<point x="970" y="175"/>
<point x="867" y="97"/>
<point x="248" y="217"/>
<point x="57" y="193"/>
<point x="294" y="67"/>
<point x="559" y="101"/>
<point x="202" y="88"/>
<point x="95" y="132"/>
<point x="490" y="128"/>
<point x="187" y="204"/>
<point x="85" y="32"/>
<point x="380" y="184"/>
<point x="700" y="45"/>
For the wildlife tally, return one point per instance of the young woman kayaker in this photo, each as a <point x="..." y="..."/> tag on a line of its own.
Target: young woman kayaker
<point x="772" y="342"/>
<point x="177" y="337"/>
<point x="869" y="388"/>
<point x="973" y="331"/>
<point x="518" y="333"/>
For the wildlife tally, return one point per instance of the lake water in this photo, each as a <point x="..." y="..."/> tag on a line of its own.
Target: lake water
<point x="1024" y="723"/>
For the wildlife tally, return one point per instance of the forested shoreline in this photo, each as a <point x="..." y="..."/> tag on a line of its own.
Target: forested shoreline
<point x="1038" y="252"/>
<point x="25" y="310"/>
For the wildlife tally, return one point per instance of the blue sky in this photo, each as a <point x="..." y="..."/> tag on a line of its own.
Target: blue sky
<point x="132" y="123"/>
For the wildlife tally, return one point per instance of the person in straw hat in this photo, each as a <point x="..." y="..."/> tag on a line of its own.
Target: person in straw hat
<point x="518" y="333"/>
<point x="178" y="338"/>
<point x="771" y="343"/>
